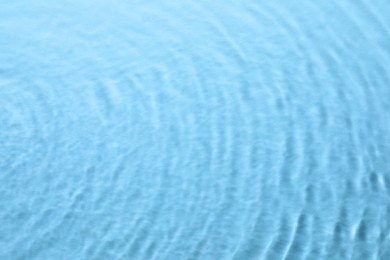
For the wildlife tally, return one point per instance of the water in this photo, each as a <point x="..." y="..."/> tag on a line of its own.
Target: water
<point x="185" y="130"/>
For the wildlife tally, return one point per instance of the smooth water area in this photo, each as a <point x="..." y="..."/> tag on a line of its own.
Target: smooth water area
<point x="184" y="130"/>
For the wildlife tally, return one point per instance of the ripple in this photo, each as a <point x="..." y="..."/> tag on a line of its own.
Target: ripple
<point x="194" y="130"/>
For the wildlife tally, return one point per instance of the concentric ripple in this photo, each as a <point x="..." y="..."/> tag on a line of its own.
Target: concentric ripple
<point x="194" y="130"/>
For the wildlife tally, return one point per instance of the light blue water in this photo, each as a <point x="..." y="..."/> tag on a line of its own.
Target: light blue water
<point x="184" y="130"/>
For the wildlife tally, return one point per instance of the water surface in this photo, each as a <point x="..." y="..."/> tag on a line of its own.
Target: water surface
<point x="185" y="130"/>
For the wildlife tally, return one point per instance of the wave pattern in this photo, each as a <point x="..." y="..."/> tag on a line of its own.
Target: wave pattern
<point x="194" y="130"/>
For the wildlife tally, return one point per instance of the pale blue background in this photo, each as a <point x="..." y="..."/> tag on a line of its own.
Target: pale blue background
<point x="185" y="130"/>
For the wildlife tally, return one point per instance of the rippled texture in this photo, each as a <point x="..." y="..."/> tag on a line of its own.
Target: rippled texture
<point x="185" y="130"/>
